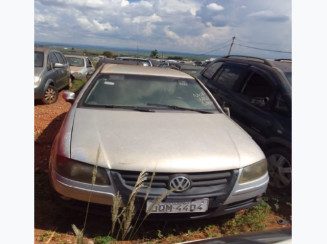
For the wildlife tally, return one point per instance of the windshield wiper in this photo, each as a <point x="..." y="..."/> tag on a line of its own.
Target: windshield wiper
<point x="179" y="108"/>
<point x="135" y="108"/>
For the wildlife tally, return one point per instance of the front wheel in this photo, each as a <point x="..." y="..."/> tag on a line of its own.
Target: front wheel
<point x="50" y="95"/>
<point x="280" y="170"/>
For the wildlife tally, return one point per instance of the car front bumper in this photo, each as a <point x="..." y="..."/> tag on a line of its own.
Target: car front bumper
<point x="239" y="197"/>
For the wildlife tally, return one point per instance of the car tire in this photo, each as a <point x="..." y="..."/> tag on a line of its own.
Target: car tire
<point x="50" y="95"/>
<point x="280" y="170"/>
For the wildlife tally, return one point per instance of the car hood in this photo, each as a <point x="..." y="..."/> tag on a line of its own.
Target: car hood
<point x="161" y="141"/>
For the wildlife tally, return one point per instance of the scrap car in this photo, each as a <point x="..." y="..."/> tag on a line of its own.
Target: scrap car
<point x="128" y="119"/>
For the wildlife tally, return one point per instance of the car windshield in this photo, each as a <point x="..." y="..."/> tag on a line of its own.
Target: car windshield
<point x="38" y="59"/>
<point x="73" y="61"/>
<point x="150" y="92"/>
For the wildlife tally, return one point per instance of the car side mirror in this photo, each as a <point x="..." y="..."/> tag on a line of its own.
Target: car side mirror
<point x="69" y="96"/>
<point x="58" y="65"/>
<point x="260" y="101"/>
<point x="226" y="109"/>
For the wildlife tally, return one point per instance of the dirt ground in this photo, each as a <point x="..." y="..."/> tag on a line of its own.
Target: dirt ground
<point x="52" y="222"/>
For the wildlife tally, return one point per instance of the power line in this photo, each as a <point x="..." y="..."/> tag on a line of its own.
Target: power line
<point x="217" y="48"/>
<point x="261" y="48"/>
<point x="262" y="43"/>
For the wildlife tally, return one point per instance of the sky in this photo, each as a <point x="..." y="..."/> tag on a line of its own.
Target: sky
<point x="191" y="26"/>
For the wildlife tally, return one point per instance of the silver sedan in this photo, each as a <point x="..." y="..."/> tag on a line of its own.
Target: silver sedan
<point x="128" y="119"/>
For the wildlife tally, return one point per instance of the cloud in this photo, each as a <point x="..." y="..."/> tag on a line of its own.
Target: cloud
<point x="215" y="7"/>
<point x="268" y="15"/>
<point x="176" y="25"/>
<point x="144" y="19"/>
<point x="171" y="34"/>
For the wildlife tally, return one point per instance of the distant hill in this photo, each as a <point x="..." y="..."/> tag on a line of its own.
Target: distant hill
<point x="126" y="51"/>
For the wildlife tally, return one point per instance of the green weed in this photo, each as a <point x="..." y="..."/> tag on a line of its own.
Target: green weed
<point x="103" y="239"/>
<point x="46" y="236"/>
<point x="77" y="84"/>
<point x="212" y="231"/>
<point x="159" y="234"/>
<point x="252" y="219"/>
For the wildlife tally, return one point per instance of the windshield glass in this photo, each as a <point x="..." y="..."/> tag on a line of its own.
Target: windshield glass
<point x="73" y="61"/>
<point x="38" y="59"/>
<point x="148" y="92"/>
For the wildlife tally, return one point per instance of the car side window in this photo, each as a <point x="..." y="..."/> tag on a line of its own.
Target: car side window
<point x="229" y="75"/>
<point x="258" y="89"/>
<point x="212" y="70"/>
<point x="51" y="60"/>
<point x="59" y="57"/>
<point x="88" y="63"/>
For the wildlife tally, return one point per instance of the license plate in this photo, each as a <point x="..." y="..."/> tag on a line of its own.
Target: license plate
<point x="195" y="206"/>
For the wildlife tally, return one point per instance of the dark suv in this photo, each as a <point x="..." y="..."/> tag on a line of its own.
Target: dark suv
<point x="258" y="95"/>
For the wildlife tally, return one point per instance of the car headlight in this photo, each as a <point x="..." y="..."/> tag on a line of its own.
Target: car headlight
<point x="82" y="172"/>
<point x="37" y="80"/>
<point x="253" y="171"/>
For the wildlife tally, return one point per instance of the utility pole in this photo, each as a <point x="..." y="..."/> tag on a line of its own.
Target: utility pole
<point x="230" y="49"/>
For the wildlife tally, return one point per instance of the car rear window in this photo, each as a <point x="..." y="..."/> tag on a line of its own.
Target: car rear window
<point x="74" y="61"/>
<point x="141" y="91"/>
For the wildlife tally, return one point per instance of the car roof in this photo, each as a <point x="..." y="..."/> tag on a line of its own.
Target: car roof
<point x="142" y="70"/>
<point x="75" y="56"/>
<point x="41" y="49"/>
<point x="284" y="65"/>
<point x="132" y="58"/>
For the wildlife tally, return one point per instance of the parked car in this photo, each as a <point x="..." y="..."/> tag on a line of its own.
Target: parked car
<point x="80" y="66"/>
<point x="130" y="118"/>
<point x="124" y="60"/>
<point x="258" y="93"/>
<point x="51" y="74"/>
<point x="198" y="63"/>
<point x="140" y="61"/>
<point x="170" y="65"/>
<point x="191" y="69"/>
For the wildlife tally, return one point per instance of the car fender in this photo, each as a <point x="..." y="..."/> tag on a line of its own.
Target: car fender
<point x="47" y="83"/>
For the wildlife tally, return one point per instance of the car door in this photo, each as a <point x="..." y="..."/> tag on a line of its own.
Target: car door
<point x="53" y="73"/>
<point x="223" y="82"/>
<point x="254" y="104"/>
<point x="63" y="73"/>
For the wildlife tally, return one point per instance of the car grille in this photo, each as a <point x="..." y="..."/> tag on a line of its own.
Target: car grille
<point x="161" y="180"/>
<point x="204" y="184"/>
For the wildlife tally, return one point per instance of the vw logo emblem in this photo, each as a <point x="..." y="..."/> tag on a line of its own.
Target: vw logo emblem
<point x="180" y="183"/>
